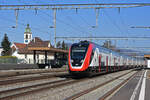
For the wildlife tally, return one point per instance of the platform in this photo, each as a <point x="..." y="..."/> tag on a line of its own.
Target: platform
<point x="138" y="88"/>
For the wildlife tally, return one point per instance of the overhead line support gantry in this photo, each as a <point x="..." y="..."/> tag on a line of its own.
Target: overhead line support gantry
<point x="69" y="6"/>
<point x="72" y="6"/>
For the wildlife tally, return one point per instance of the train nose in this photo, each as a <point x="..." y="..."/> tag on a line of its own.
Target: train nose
<point x="77" y="62"/>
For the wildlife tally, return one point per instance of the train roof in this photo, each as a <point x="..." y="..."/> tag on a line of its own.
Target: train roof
<point x="106" y="50"/>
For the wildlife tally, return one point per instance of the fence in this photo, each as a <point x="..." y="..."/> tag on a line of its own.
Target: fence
<point x="31" y="61"/>
<point x="8" y="61"/>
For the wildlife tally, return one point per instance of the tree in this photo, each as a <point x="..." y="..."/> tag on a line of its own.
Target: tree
<point x="58" y="44"/>
<point x="63" y="45"/>
<point x="108" y="44"/>
<point x="6" y="46"/>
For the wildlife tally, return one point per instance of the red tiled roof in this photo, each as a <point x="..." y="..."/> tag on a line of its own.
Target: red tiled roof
<point x="20" y="45"/>
<point x="37" y="42"/>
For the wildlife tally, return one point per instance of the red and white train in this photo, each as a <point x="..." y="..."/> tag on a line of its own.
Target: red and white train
<point x="88" y="57"/>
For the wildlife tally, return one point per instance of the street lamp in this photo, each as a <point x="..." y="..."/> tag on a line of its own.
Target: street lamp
<point x="54" y="34"/>
<point x="13" y="27"/>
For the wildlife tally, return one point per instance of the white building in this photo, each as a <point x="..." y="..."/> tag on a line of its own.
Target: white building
<point x="27" y="35"/>
<point x="1" y="50"/>
<point x="20" y="50"/>
<point x="40" y="55"/>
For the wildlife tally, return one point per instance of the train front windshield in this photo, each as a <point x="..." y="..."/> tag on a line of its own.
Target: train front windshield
<point x="78" y="51"/>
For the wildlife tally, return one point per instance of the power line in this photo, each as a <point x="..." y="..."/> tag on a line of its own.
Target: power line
<point x="112" y="21"/>
<point x="71" y="6"/>
<point x="146" y="27"/>
<point x="78" y="26"/>
<point x="9" y="20"/>
<point x="63" y="22"/>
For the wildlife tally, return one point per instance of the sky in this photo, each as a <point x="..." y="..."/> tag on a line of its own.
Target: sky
<point x="77" y="24"/>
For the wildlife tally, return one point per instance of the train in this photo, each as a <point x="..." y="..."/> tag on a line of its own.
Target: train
<point x="89" y="58"/>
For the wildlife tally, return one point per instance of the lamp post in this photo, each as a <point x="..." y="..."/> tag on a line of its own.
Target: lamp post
<point x="54" y="35"/>
<point x="54" y="26"/>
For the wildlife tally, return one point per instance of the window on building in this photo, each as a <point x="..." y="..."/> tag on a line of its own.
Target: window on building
<point x="26" y="56"/>
<point x="26" y="36"/>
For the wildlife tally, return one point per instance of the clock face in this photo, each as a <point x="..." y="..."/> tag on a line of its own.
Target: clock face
<point x="26" y="40"/>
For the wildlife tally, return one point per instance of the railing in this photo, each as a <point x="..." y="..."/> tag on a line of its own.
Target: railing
<point x="31" y="61"/>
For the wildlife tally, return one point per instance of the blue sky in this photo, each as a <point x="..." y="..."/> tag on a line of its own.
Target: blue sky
<point x="70" y="23"/>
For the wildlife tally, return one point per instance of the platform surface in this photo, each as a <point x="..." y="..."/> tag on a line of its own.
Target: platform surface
<point x="138" y="88"/>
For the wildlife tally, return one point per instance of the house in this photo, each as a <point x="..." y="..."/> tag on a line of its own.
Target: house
<point x="1" y="50"/>
<point x="20" y="50"/>
<point x="34" y="50"/>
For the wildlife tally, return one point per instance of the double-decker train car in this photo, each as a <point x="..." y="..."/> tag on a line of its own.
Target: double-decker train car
<point x="89" y="58"/>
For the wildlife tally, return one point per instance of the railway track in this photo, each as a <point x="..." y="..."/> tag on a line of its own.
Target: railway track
<point x="85" y="92"/>
<point x="12" y="93"/>
<point x="37" y="88"/>
<point x="10" y="73"/>
<point x="26" y="78"/>
<point x="17" y="92"/>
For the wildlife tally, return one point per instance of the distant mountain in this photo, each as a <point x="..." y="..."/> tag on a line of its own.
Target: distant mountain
<point x="131" y="52"/>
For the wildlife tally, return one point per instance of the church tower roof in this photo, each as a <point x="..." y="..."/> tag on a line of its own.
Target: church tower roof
<point x="27" y="35"/>
<point x="28" y="29"/>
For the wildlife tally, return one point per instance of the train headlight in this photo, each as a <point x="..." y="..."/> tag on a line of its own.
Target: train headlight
<point x="82" y="61"/>
<point x="71" y="61"/>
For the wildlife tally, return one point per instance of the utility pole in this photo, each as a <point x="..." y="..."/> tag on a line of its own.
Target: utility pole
<point x="16" y="14"/>
<point x="97" y="13"/>
<point x="54" y="27"/>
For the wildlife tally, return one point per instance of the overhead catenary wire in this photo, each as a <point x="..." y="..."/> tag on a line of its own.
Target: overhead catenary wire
<point x="10" y="20"/>
<point x="73" y="27"/>
<point x="63" y="22"/>
<point x="78" y="29"/>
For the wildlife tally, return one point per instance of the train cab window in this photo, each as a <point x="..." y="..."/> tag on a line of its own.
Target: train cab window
<point x="78" y="51"/>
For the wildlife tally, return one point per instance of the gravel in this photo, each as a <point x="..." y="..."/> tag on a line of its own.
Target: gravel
<point x="69" y="90"/>
<point x="4" y="73"/>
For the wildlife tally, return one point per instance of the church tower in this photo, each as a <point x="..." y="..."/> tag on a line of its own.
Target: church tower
<point x="27" y="35"/>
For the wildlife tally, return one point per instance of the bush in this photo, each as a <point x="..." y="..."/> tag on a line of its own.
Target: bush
<point x="8" y="59"/>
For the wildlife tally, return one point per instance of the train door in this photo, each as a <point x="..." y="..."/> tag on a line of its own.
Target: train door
<point x="119" y="63"/>
<point x="111" y="62"/>
<point x="100" y="57"/>
<point x="114" y="64"/>
<point x="97" y="60"/>
<point x="103" y="60"/>
<point x="107" y="63"/>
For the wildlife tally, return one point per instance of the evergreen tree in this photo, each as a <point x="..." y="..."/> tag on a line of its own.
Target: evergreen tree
<point x="58" y="44"/>
<point x="6" y="46"/>
<point x="63" y="45"/>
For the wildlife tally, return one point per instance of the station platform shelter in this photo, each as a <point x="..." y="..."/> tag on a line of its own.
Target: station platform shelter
<point x="46" y="50"/>
<point x="148" y="60"/>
